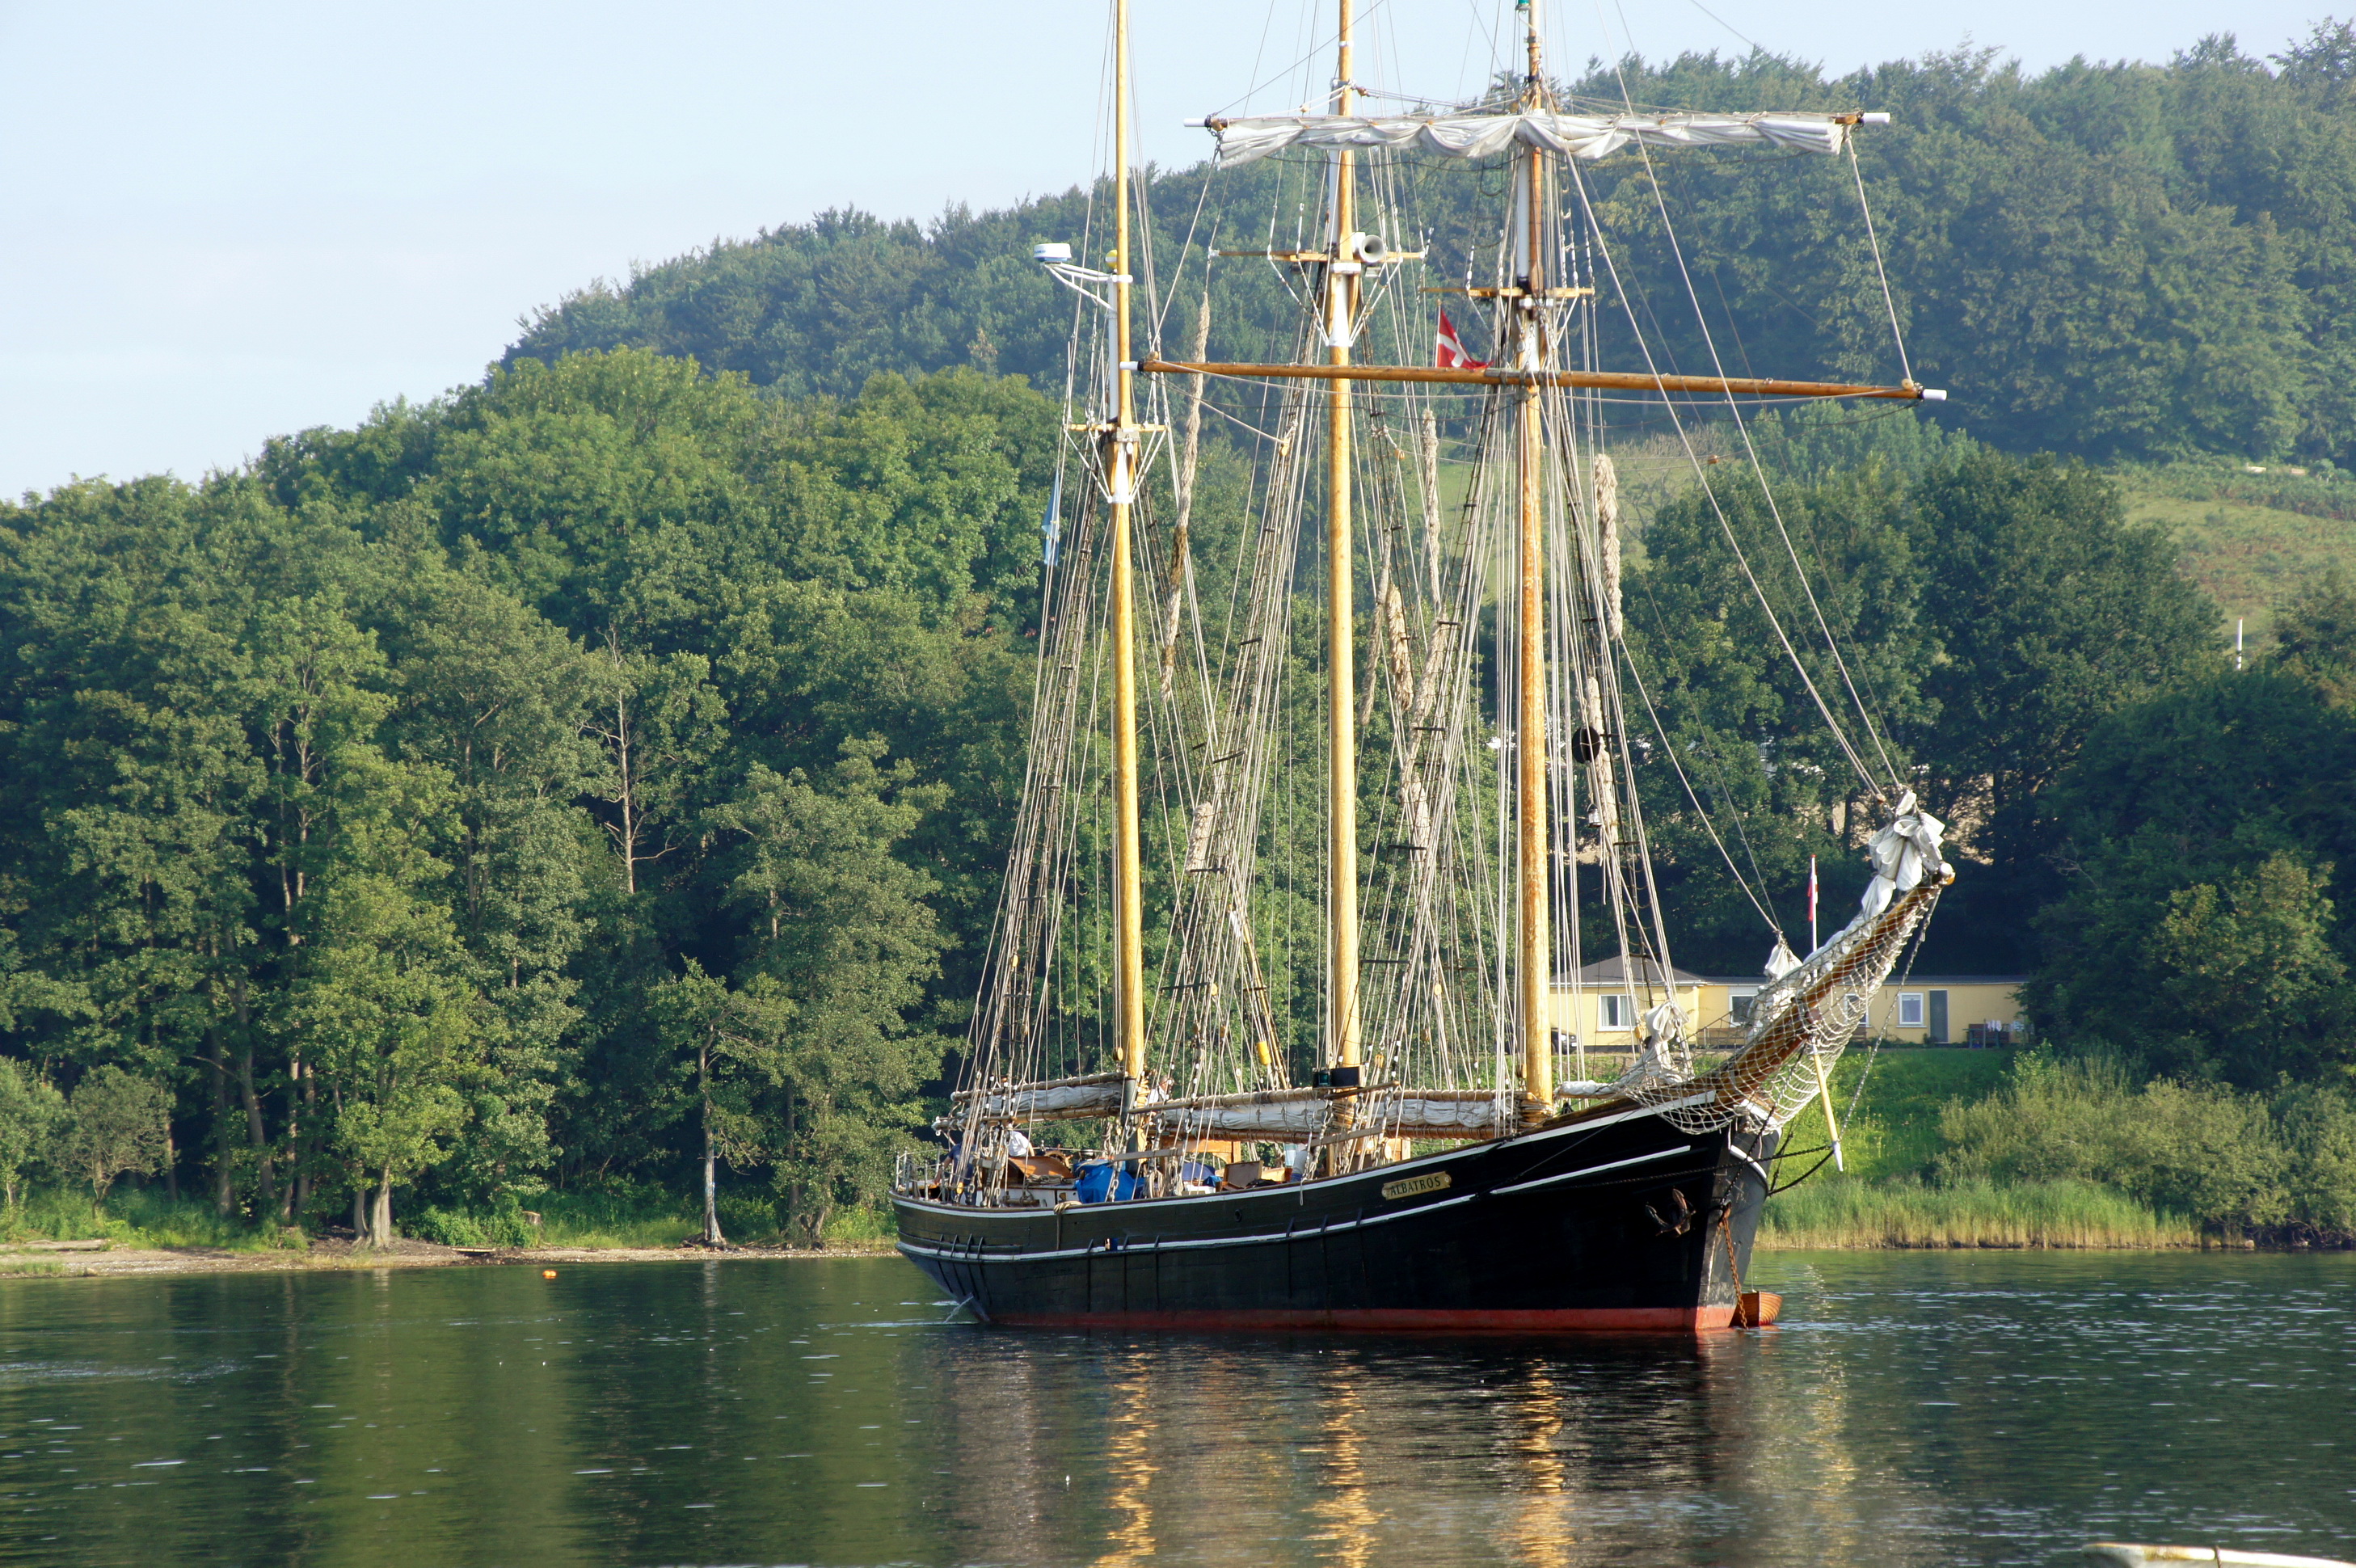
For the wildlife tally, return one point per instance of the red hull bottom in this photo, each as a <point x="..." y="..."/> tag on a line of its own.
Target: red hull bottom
<point x="1404" y="1320"/>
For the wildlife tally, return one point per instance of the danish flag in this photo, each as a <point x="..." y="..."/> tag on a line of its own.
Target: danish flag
<point x="1453" y="356"/>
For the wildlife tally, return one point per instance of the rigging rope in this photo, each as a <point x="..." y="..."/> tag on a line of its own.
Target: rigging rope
<point x="1889" y="300"/>
<point x="1693" y="458"/>
<point x="1709" y="342"/>
<point x="1669" y="749"/>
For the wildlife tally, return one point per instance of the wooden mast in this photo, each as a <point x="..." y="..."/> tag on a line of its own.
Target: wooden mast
<point x="1340" y="638"/>
<point x="1121" y="468"/>
<point x="1530" y="736"/>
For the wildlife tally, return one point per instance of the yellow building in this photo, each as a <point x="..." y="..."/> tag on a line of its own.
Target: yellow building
<point x="1950" y="1010"/>
<point x="1601" y="1011"/>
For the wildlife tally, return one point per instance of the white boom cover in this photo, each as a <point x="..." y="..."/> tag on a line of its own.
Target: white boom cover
<point x="1587" y="136"/>
<point x="1021" y="1104"/>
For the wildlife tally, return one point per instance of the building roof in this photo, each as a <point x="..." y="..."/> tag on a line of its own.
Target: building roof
<point x="1911" y="982"/>
<point x="1606" y="972"/>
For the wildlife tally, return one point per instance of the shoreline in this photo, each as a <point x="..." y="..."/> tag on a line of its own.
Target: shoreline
<point x="106" y="1259"/>
<point x="1825" y="1244"/>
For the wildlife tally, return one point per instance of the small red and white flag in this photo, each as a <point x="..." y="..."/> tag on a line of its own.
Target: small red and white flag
<point x="1453" y="356"/>
<point x="1812" y="901"/>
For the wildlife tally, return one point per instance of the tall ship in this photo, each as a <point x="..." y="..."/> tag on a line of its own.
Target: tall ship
<point x="1217" y="1082"/>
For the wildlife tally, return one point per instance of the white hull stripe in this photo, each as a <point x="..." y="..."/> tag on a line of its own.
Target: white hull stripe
<point x="1591" y="1170"/>
<point x="1101" y="1249"/>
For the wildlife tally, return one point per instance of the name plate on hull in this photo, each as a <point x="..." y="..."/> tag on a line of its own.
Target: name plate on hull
<point x="1414" y="1185"/>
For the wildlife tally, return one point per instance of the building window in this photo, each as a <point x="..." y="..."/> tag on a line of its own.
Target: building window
<point x="1910" y="1009"/>
<point x="1619" y="1012"/>
<point x="1739" y="1003"/>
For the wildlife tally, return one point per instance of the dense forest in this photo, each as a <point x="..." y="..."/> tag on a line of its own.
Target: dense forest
<point x="2105" y="260"/>
<point x="597" y="777"/>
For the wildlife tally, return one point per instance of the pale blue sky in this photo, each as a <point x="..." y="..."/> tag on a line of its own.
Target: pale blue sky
<point x="222" y="222"/>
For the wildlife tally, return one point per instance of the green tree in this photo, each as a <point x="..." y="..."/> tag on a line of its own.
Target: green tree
<point x="2254" y="952"/>
<point x="2051" y="613"/>
<point x="2320" y="1123"/>
<point x="379" y="987"/>
<point x="2198" y="837"/>
<point x="841" y="928"/>
<point x="728" y="1043"/>
<point x="30" y="1113"/>
<point x="2315" y="638"/>
<point x="114" y="1127"/>
<point x="500" y="702"/>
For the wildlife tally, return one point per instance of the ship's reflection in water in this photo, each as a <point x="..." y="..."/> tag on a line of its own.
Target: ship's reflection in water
<point x="1356" y="1450"/>
<point x="1914" y="1408"/>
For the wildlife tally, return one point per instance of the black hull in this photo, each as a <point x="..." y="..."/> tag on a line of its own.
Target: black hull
<point x="1622" y="1224"/>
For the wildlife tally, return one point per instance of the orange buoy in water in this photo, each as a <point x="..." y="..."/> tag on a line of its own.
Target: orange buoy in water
<point x="548" y="1273"/>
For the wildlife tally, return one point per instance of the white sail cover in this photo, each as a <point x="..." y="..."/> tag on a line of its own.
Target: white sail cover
<point x="1024" y="1102"/>
<point x="1587" y="136"/>
<point x="1426" y="1115"/>
<point x="1273" y="1117"/>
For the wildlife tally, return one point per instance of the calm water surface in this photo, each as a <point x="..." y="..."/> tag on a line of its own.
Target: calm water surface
<point x="1931" y="1409"/>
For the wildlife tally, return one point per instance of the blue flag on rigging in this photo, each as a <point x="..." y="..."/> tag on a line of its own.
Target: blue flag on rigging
<point x="1051" y="527"/>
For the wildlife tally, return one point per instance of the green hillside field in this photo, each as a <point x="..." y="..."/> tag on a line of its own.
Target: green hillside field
<point x="2250" y="540"/>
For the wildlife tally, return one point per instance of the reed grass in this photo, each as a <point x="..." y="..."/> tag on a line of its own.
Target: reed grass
<point x="1847" y="1212"/>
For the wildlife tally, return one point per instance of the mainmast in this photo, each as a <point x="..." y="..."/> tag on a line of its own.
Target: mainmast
<point x="1341" y="272"/>
<point x="1530" y="737"/>
<point x="1121" y="470"/>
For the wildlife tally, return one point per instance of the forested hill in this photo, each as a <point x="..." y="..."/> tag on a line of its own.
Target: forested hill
<point x="2104" y="260"/>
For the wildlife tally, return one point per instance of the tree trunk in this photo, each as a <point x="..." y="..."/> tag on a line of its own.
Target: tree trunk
<point x="380" y="1212"/>
<point x="224" y="1187"/>
<point x="625" y="798"/>
<point x="265" y="1197"/>
<point x="294" y="1123"/>
<point x="359" y="1212"/>
<point x="302" y="1203"/>
<point x="712" y="1236"/>
<point x="171" y="1164"/>
<point x="814" y="1225"/>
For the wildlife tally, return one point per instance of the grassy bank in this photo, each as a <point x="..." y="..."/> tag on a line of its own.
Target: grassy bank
<point x="632" y="1219"/>
<point x="1847" y="1211"/>
<point x="136" y="1218"/>
<point x="1884" y="1198"/>
<point x="1894" y="1129"/>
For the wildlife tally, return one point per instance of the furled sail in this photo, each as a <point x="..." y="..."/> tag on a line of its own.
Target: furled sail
<point x="1063" y="1099"/>
<point x="1587" y="137"/>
